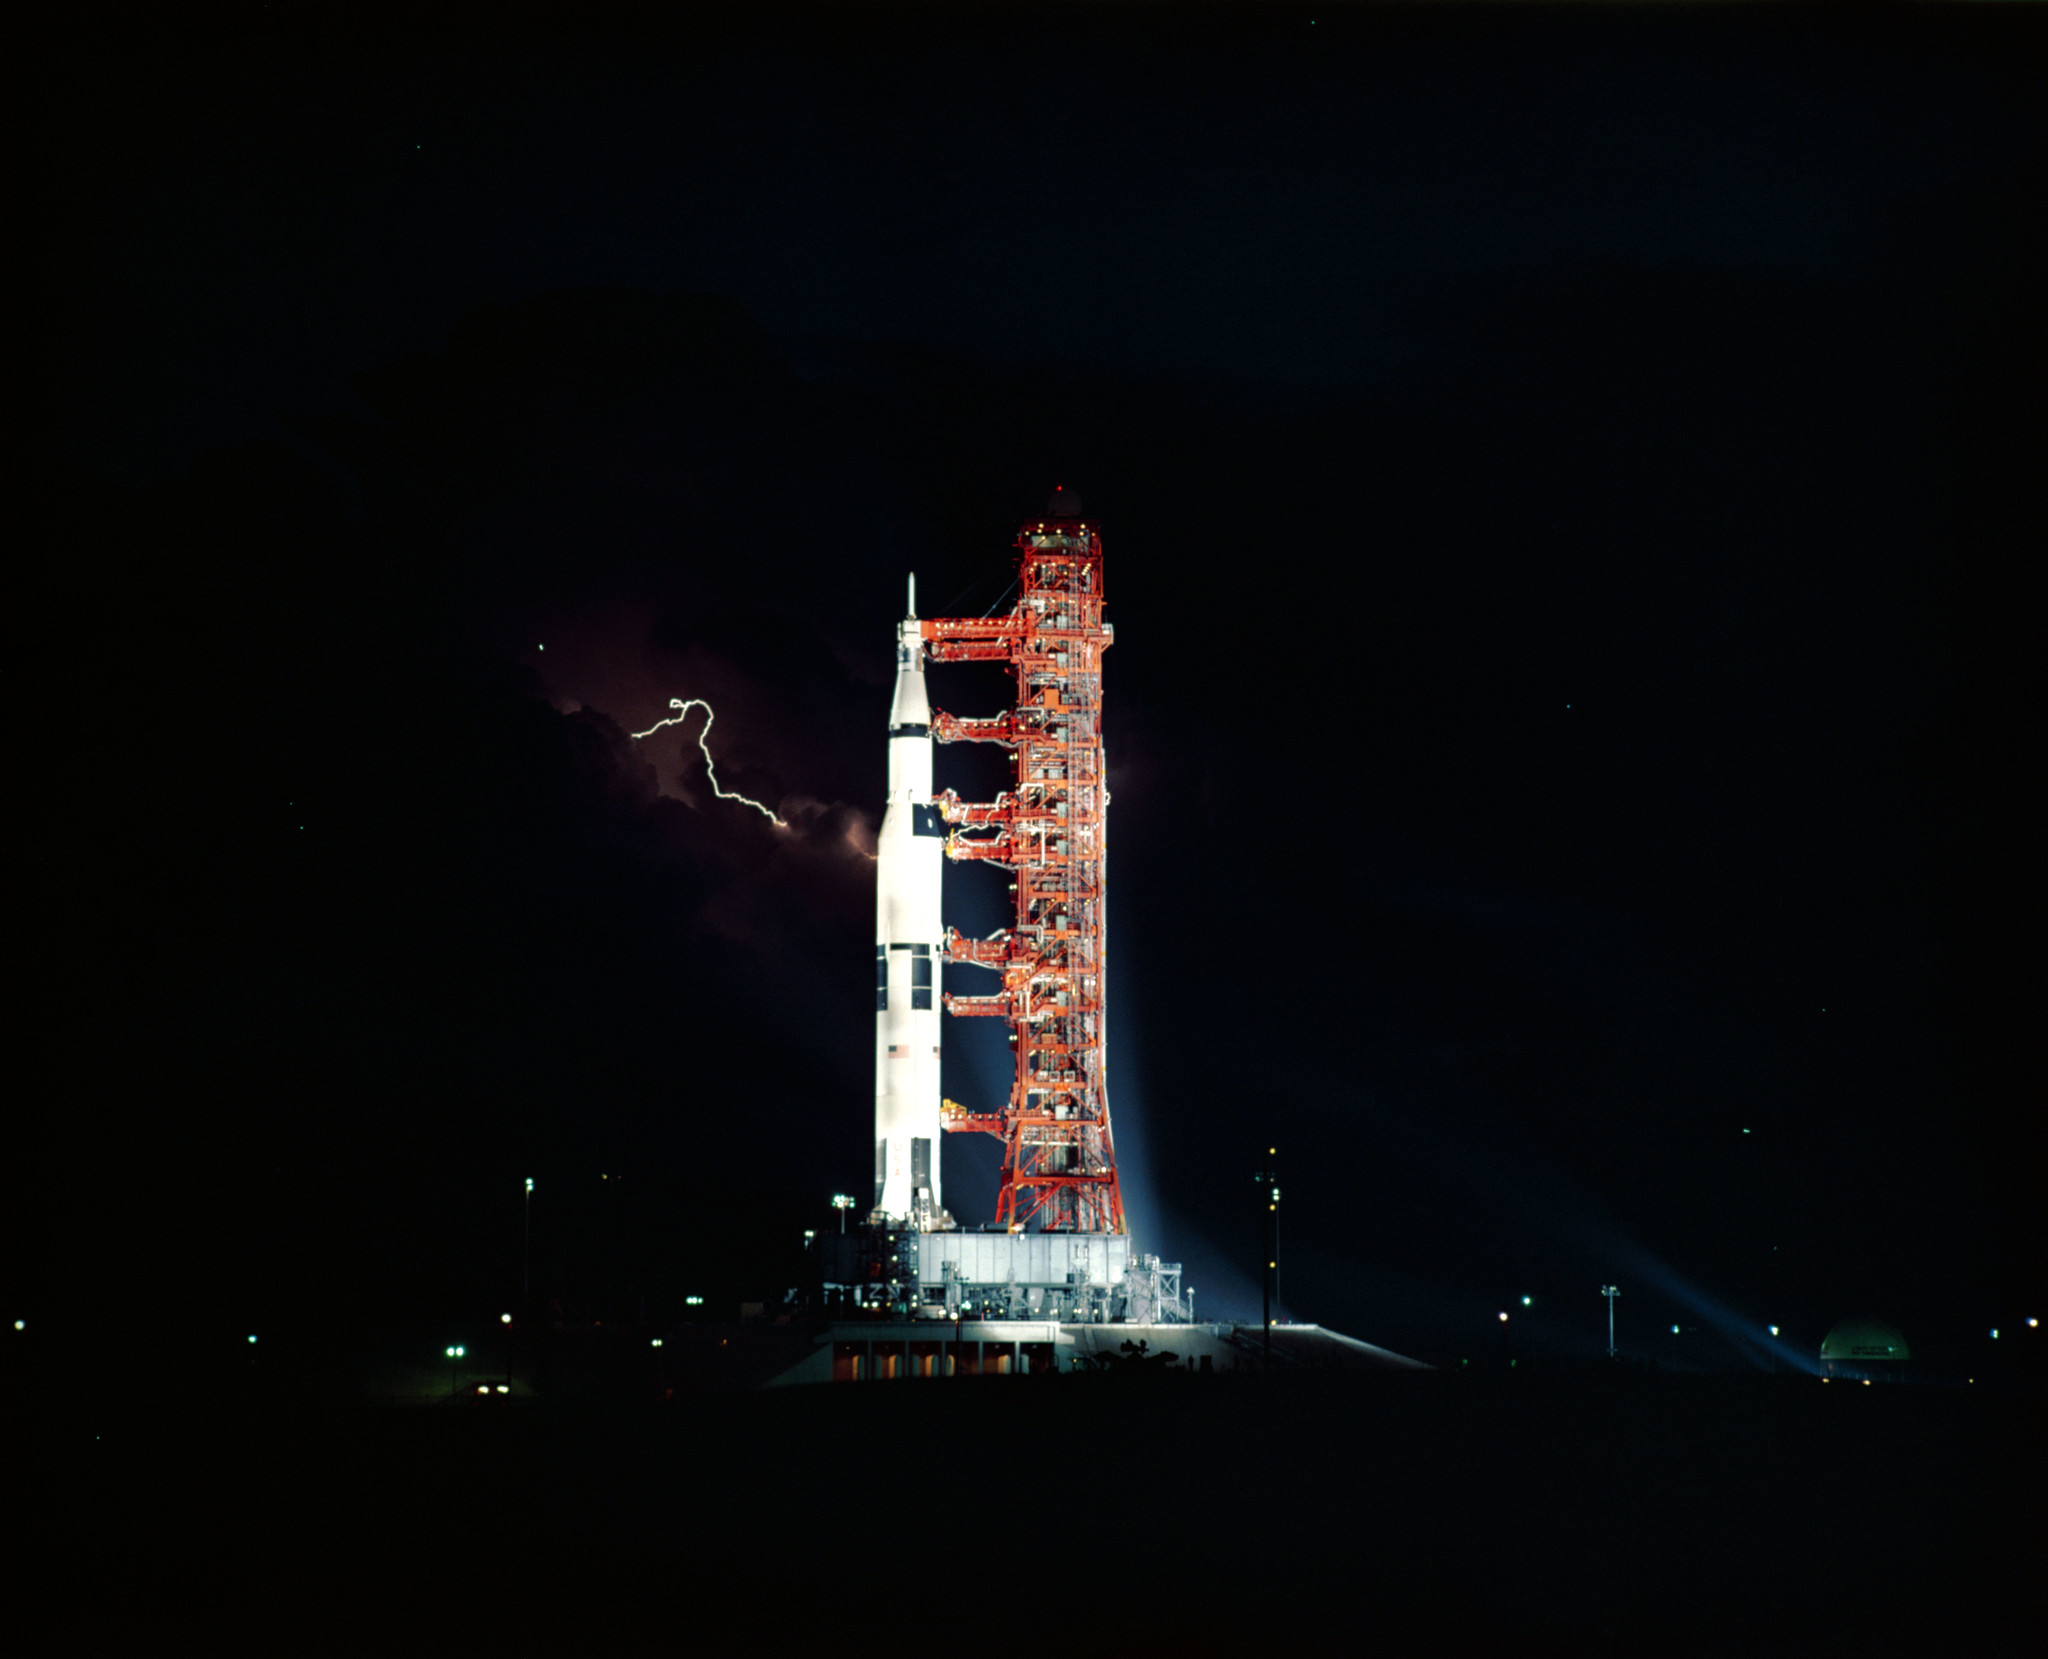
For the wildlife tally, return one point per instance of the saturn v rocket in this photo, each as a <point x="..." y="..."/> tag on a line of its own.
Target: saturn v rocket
<point x="908" y="938"/>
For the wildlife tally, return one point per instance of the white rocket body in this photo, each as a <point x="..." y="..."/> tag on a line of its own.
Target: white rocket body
<point x="908" y="936"/>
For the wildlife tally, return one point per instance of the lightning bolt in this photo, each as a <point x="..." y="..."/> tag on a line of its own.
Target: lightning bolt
<point x="682" y="706"/>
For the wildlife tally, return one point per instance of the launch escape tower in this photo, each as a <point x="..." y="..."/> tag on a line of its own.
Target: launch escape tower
<point x="1059" y="1164"/>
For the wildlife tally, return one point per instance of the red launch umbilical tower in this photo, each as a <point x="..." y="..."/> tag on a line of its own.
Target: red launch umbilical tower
<point x="1059" y="1166"/>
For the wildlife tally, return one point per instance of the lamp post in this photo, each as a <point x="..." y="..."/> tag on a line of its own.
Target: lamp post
<point x="1610" y="1292"/>
<point x="527" y="1290"/>
<point x="1269" y="1177"/>
<point x="842" y="1202"/>
<point x="505" y="1319"/>
<point x="454" y="1351"/>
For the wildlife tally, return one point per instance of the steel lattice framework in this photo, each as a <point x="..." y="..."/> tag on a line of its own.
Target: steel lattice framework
<point x="1059" y="1166"/>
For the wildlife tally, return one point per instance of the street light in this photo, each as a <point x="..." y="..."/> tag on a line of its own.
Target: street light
<point x="505" y="1319"/>
<point x="1610" y="1292"/>
<point x="454" y="1351"/>
<point x="842" y="1202"/>
<point x="526" y="1291"/>
<point x="1269" y="1177"/>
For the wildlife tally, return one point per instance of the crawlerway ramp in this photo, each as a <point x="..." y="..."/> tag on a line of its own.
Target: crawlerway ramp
<point x="882" y="1351"/>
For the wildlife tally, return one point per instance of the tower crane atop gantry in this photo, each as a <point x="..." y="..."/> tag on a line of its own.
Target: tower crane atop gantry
<point x="1059" y="1163"/>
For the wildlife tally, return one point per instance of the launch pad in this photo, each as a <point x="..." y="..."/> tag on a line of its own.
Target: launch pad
<point x="1058" y="1248"/>
<point x="1072" y="1278"/>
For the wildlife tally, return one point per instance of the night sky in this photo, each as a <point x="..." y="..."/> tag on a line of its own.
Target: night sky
<point x="1570" y="485"/>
